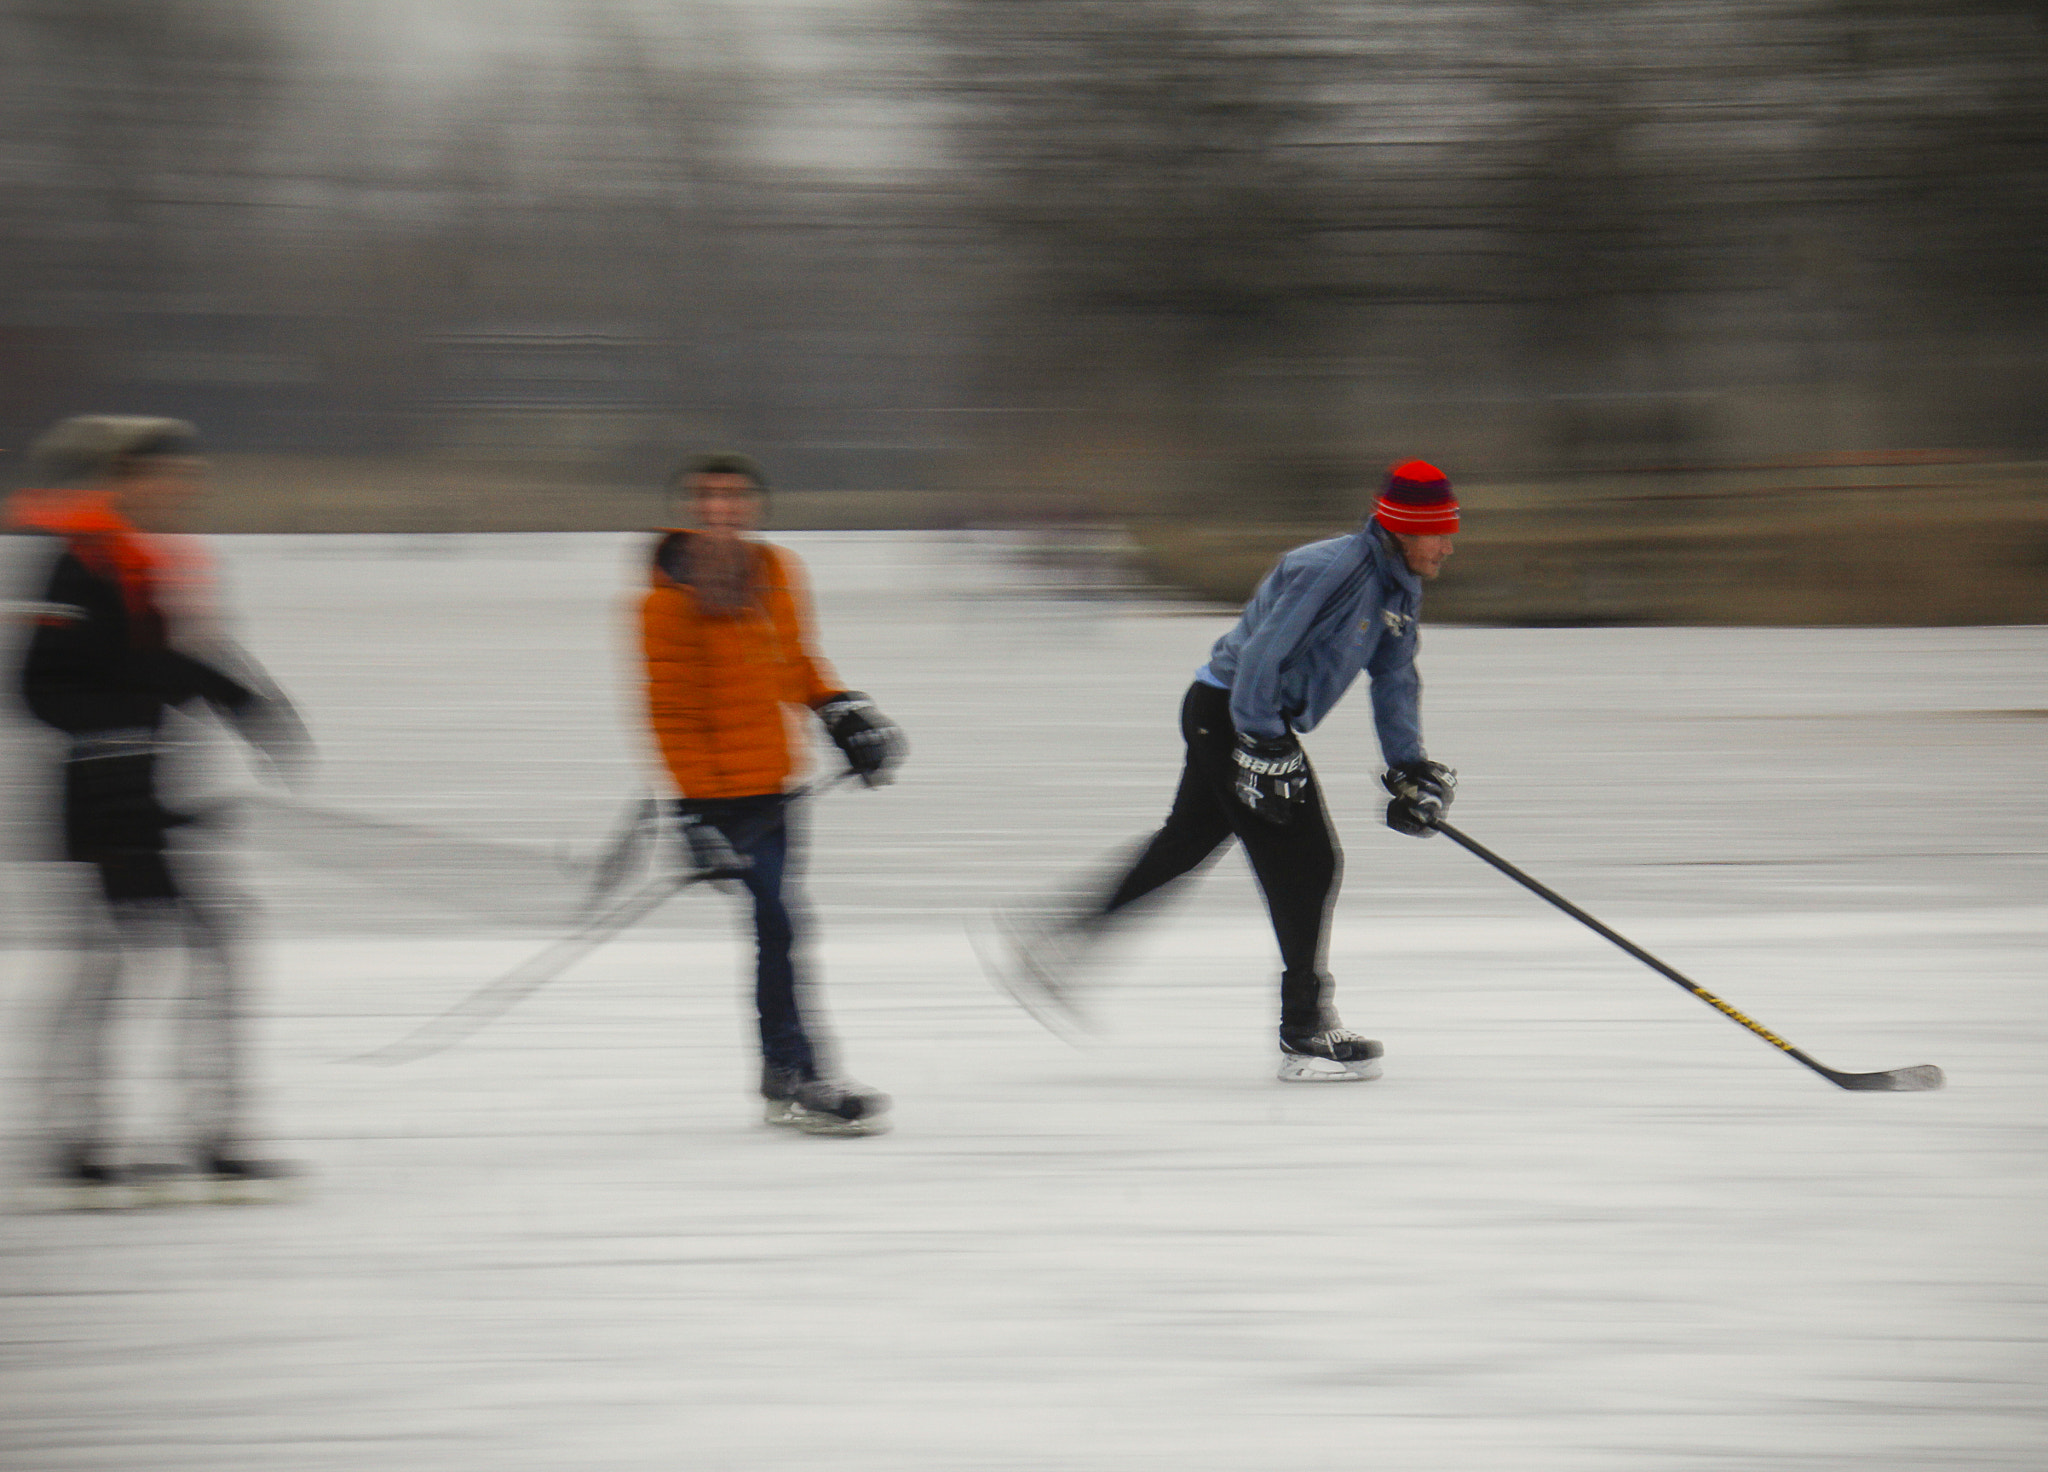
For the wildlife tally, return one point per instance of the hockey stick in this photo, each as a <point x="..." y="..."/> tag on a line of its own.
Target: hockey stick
<point x="499" y="997"/>
<point x="1894" y="1080"/>
<point x="496" y="998"/>
<point x="630" y="844"/>
<point x="521" y="883"/>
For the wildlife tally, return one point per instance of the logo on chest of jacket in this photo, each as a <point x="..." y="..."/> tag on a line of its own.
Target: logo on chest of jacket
<point x="1397" y="623"/>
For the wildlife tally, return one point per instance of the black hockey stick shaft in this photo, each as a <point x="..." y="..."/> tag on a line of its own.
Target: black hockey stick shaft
<point x="1924" y="1076"/>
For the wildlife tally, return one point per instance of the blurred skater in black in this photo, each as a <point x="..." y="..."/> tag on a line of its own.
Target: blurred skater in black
<point x="122" y="637"/>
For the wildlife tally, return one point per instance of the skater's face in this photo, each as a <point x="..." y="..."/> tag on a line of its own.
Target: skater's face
<point x="1425" y="555"/>
<point x="726" y="505"/>
<point x="156" y="492"/>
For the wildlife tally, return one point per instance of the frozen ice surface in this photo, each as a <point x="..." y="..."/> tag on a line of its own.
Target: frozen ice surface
<point x="1582" y="1224"/>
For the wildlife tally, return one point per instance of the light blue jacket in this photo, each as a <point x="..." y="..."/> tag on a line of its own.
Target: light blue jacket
<point x="1325" y="613"/>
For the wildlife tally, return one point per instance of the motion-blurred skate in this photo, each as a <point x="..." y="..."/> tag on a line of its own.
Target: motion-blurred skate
<point x="77" y="1180"/>
<point x="822" y="1106"/>
<point x="1035" y="953"/>
<point x="1330" y="1055"/>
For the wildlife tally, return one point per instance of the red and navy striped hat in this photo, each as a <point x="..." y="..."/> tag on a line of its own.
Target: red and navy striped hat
<point x="1418" y="501"/>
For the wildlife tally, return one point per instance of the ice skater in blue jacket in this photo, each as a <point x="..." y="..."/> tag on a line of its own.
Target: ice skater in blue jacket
<point x="1326" y="613"/>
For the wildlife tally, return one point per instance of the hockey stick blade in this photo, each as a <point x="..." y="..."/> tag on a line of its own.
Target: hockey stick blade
<point x="1915" y="1080"/>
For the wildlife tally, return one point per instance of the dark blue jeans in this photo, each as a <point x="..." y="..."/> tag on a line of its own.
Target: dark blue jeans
<point x="759" y="829"/>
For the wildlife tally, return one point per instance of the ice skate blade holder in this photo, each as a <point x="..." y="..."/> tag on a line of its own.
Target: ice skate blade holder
<point x="1306" y="1068"/>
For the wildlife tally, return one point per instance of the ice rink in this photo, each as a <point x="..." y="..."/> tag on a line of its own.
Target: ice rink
<point x="1583" y="1223"/>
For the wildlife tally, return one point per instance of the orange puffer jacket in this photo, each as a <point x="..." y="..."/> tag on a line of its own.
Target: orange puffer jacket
<point x="720" y="683"/>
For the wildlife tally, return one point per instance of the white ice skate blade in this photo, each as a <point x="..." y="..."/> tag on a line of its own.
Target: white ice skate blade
<point x="158" y="1195"/>
<point x="170" y="1186"/>
<point x="1305" y="1068"/>
<point x="788" y="1114"/>
<point x="56" y="1196"/>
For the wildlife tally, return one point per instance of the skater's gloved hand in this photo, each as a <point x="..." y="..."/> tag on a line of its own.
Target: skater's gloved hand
<point x="712" y="855"/>
<point x="872" y="743"/>
<point x="1422" y="790"/>
<point x="271" y="726"/>
<point x="1272" y="776"/>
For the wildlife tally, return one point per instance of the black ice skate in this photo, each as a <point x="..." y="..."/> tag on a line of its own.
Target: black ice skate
<point x="822" y="1106"/>
<point x="1331" y="1055"/>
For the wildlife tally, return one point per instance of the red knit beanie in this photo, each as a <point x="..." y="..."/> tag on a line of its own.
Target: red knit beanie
<point x="1418" y="501"/>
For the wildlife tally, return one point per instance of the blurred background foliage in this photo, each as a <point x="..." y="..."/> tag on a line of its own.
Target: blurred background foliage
<point x="1694" y="302"/>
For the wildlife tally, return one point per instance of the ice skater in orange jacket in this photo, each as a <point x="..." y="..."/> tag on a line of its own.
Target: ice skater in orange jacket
<point x="726" y="634"/>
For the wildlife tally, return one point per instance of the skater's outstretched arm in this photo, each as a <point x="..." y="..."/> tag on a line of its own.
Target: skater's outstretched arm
<point x="1397" y="695"/>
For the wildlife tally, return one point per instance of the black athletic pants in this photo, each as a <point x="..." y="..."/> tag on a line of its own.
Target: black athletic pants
<point x="1298" y="865"/>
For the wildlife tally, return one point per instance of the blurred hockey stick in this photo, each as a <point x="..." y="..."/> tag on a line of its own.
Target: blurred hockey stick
<point x="498" y="997"/>
<point x="510" y="882"/>
<point x="631" y="843"/>
<point x="1894" y="1080"/>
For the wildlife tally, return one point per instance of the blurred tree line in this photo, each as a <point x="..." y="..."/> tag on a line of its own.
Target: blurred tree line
<point x="557" y="248"/>
<point x="1198" y="254"/>
<point x="1261" y="246"/>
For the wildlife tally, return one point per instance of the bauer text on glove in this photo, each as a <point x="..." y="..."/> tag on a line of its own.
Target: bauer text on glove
<point x="1271" y="776"/>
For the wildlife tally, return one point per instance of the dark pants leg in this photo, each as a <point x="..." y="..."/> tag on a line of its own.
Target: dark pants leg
<point x="1298" y="865"/>
<point x="759" y="829"/>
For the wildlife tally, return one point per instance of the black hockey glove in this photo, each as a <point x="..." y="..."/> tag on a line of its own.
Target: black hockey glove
<point x="1272" y="776"/>
<point x="712" y="855"/>
<point x="870" y="741"/>
<point x="1422" y="790"/>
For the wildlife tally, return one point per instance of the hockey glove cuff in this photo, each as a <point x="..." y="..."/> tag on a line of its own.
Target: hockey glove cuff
<point x="1271" y="776"/>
